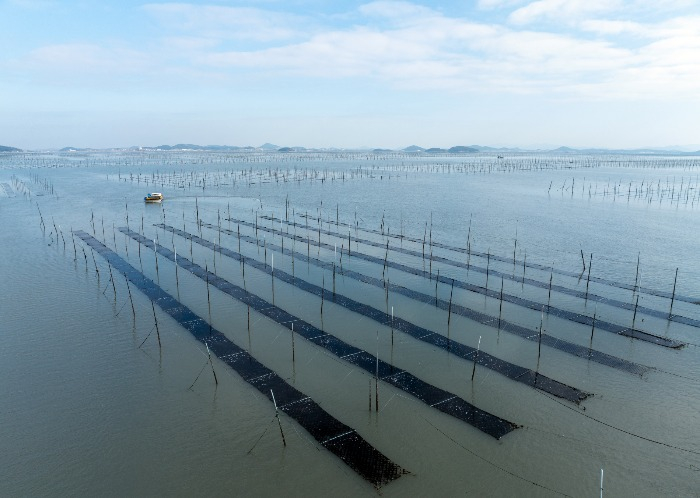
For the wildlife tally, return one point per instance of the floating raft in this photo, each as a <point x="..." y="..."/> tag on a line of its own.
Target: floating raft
<point x="536" y="266"/>
<point x="435" y="397"/>
<point x="510" y="370"/>
<point x="338" y="438"/>
<point x="526" y="303"/>
<point x="502" y="325"/>
<point x="507" y="276"/>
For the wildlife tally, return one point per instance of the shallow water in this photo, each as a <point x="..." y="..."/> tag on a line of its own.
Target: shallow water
<point x="92" y="406"/>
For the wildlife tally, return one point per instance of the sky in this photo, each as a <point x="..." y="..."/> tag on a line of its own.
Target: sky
<point x="518" y="73"/>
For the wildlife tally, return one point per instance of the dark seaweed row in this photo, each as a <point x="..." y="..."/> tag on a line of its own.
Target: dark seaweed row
<point x="519" y="301"/>
<point x="506" y="276"/>
<point x="514" y="372"/>
<point x="598" y="280"/>
<point x="495" y="322"/>
<point x="433" y="396"/>
<point x="338" y="438"/>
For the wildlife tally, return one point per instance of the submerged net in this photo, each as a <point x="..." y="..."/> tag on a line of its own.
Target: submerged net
<point x="335" y="436"/>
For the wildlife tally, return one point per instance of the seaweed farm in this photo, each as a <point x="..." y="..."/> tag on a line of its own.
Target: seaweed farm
<point x="350" y="324"/>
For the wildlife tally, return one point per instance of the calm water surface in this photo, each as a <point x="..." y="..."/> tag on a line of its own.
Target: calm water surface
<point x="92" y="406"/>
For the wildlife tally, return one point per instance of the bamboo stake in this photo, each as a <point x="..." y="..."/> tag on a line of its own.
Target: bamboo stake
<point x="92" y="253"/>
<point x="376" y="379"/>
<point x="206" y="272"/>
<point x="549" y="295"/>
<point x="177" y="280"/>
<point x="133" y="311"/>
<point x="488" y="262"/>
<point x="673" y="295"/>
<point x="449" y="308"/>
<point x="500" y="307"/>
<point x="323" y="291"/>
<point x="155" y="318"/>
<point x="588" y="280"/>
<point x="436" y="287"/>
<point x="476" y="358"/>
<point x="113" y="286"/>
<point x="392" y="327"/>
<point x="590" y="346"/>
<point x="75" y="251"/>
<point x="277" y="414"/>
<point x="155" y="252"/>
<point x="216" y="381"/>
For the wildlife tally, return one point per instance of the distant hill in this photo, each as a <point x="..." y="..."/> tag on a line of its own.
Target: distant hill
<point x="461" y="149"/>
<point x="413" y="148"/>
<point x="4" y="148"/>
<point x="224" y="148"/>
<point x="292" y="149"/>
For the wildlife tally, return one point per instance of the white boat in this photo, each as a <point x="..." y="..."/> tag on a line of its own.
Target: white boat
<point x="154" y="197"/>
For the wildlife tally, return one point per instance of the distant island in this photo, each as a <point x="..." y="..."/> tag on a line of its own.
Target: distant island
<point x="411" y="149"/>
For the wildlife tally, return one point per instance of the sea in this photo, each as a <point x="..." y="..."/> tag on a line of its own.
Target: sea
<point x="576" y="270"/>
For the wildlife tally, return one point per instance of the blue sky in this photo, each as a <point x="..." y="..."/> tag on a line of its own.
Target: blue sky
<point x="609" y="73"/>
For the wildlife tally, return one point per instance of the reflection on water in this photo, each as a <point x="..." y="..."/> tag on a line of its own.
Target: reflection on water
<point x="93" y="405"/>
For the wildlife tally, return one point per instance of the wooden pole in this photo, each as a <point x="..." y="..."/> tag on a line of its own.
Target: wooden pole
<point x="673" y="295"/>
<point x="549" y="295"/>
<point x="277" y="414"/>
<point x="392" y="327"/>
<point x="488" y="262"/>
<point x="133" y="311"/>
<point x="376" y="378"/>
<point x="539" y="342"/>
<point x="155" y="318"/>
<point x="476" y="358"/>
<point x="590" y="347"/>
<point x="216" y="381"/>
<point x="588" y="280"/>
<point x="500" y="307"/>
<point x="113" y="286"/>
<point x="206" y="272"/>
<point x="449" y="309"/>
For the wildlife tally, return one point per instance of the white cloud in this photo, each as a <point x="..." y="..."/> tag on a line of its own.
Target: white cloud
<point x="395" y="10"/>
<point x="562" y="10"/>
<point x="498" y="4"/>
<point x="435" y="52"/>
<point x="87" y="58"/>
<point x="406" y="46"/>
<point x="228" y="22"/>
<point x="606" y="27"/>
